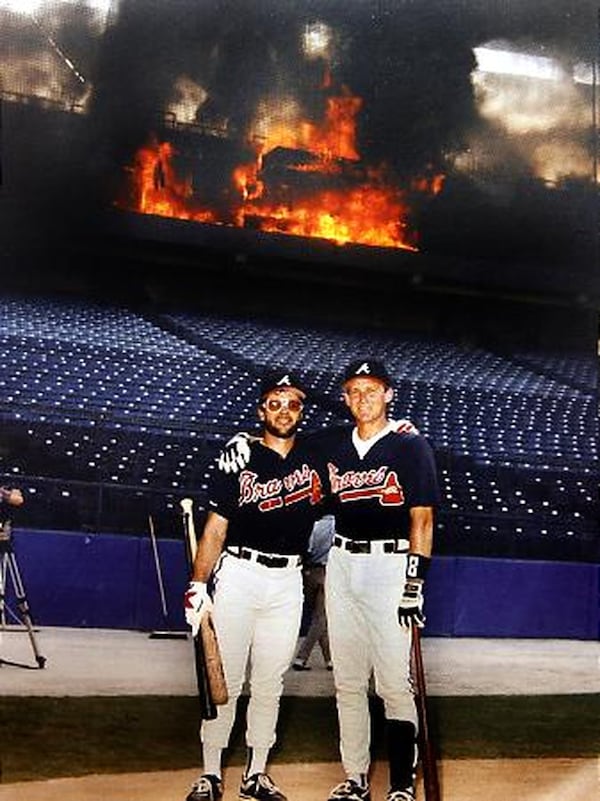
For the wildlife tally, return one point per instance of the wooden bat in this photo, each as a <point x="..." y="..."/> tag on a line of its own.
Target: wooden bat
<point x="428" y="757"/>
<point x="212" y="687"/>
<point x="161" y="586"/>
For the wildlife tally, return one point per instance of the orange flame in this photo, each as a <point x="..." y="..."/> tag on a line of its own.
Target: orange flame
<point x="334" y="137"/>
<point x="368" y="209"/>
<point x="361" y="215"/>
<point x="156" y="189"/>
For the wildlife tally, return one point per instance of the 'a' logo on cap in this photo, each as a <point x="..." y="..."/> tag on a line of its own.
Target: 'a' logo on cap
<point x="285" y="380"/>
<point x="364" y="368"/>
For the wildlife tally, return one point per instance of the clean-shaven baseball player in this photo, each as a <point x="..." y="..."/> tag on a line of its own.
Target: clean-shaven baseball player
<point x="257" y="530"/>
<point x="384" y="491"/>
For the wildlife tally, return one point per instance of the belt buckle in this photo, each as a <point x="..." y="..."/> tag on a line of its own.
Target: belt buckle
<point x="359" y="546"/>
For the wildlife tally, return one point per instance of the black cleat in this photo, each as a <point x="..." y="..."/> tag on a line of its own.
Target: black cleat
<point x="350" y="790"/>
<point x="260" y="787"/>
<point x="407" y="794"/>
<point x="207" y="788"/>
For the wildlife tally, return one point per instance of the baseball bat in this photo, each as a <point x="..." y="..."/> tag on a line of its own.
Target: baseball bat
<point x="428" y="758"/>
<point x="161" y="586"/>
<point x="212" y="687"/>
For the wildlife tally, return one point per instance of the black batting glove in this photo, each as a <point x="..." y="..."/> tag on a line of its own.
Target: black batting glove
<point x="410" y="608"/>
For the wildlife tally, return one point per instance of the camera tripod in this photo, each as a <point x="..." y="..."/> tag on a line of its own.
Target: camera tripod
<point x="9" y="571"/>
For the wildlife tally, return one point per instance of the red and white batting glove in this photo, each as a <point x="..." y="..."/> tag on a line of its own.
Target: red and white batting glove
<point x="404" y="426"/>
<point x="196" y="602"/>
<point x="236" y="453"/>
<point x="410" y="608"/>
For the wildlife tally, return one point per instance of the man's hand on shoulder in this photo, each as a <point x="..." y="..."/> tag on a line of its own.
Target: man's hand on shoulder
<point x="404" y="426"/>
<point x="236" y="453"/>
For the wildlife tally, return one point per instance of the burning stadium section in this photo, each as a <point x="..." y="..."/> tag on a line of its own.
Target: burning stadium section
<point x="309" y="182"/>
<point x="331" y="141"/>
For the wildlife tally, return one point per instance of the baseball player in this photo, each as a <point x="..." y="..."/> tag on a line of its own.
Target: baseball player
<point x="384" y="490"/>
<point x="257" y="530"/>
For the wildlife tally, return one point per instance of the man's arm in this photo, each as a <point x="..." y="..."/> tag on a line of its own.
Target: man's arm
<point x="210" y="546"/>
<point x="421" y="530"/>
<point x="410" y="609"/>
<point x="196" y="600"/>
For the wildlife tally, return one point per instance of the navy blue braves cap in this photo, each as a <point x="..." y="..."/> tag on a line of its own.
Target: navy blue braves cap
<point x="281" y="379"/>
<point x="367" y="368"/>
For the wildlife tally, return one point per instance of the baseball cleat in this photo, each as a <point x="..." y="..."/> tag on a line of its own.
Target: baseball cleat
<point x="260" y="786"/>
<point x="300" y="665"/>
<point x="207" y="788"/>
<point x="350" y="790"/>
<point x="408" y="794"/>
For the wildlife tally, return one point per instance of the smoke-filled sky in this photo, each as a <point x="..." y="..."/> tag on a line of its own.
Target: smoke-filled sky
<point x="250" y="64"/>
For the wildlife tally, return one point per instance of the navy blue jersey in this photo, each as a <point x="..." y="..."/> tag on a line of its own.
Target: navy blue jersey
<point x="273" y="502"/>
<point x="372" y="496"/>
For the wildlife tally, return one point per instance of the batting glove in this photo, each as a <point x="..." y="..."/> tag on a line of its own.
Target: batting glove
<point x="236" y="453"/>
<point x="404" y="426"/>
<point x="196" y="602"/>
<point x="410" y="609"/>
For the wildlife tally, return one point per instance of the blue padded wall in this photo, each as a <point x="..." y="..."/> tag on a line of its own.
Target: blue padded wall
<point x="110" y="581"/>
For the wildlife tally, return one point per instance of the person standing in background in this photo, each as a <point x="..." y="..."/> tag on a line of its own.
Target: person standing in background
<point x="314" y="593"/>
<point x="10" y="498"/>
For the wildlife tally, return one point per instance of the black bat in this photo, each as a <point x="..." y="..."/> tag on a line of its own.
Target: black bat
<point x="428" y="758"/>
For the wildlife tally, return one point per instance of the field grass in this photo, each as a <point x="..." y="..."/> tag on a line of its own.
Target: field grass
<point x="45" y="737"/>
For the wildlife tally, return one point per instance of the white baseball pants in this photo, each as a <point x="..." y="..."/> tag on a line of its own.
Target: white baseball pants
<point x="257" y="614"/>
<point x="362" y="595"/>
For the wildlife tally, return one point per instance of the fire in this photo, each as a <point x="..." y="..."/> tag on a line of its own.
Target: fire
<point x="362" y="215"/>
<point x="306" y="180"/>
<point x="334" y="137"/>
<point x="156" y="189"/>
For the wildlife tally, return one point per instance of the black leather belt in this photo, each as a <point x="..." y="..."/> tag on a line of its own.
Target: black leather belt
<point x="370" y="546"/>
<point x="266" y="559"/>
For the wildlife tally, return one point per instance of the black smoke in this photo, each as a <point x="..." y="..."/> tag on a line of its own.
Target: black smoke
<point x="409" y="60"/>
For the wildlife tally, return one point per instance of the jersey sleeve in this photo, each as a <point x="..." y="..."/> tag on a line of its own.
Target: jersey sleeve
<point x="423" y="486"/>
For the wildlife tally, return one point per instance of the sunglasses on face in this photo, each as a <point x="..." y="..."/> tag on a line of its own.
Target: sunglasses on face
<point x="275" y="404"/>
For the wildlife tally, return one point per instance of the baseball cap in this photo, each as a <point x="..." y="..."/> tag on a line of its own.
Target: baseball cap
<point x="280" y="379"/>
<point x="367" y="368"/>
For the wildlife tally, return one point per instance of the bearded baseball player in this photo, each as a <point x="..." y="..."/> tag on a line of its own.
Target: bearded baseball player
<point x="384" y="490"/>
<point x="252" y="544"/>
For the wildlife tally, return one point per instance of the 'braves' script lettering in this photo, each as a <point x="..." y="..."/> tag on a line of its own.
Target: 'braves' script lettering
<point x="252" y="491"/>
<point x="354" y="478"/>
<point x="299" y="477"/>
<point x="301" y="484"/>
<point x="359" y="485"/>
